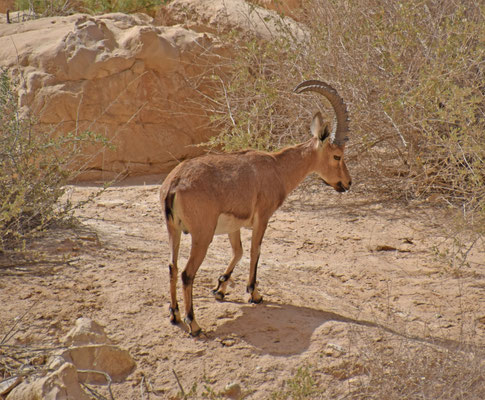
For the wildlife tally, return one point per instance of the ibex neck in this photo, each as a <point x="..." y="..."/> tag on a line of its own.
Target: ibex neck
<point x="295" y="163"/>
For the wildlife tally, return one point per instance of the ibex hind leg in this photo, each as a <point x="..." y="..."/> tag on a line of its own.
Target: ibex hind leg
<point x="220" y="290"/>
<point x="174" y="239"/>
<point x="256" y="239"/>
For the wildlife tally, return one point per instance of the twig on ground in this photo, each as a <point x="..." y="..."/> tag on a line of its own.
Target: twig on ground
<point x="108" y="378"/>
<point x="143" y="386"/>
<point x="93" y="392"/>
<point x="178" y="382"/>
<point x="11" y="333"/>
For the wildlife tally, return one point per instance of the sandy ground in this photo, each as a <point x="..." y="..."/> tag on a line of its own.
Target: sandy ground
<point x="335" y="271"/>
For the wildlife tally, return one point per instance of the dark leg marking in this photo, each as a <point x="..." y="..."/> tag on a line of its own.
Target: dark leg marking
<point x="220" y="295"/>
<point x="253" y="282"/>
<point x="252" y="285"/>
<point x="186" y="279"/>
<point x="250" y="288"/>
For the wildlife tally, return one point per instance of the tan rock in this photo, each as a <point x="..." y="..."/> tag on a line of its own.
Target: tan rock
<point x="115" y="362"/>
<point x="62" y="384"/>
<point x="233" y="391"/>
<point x="86" y="331"/>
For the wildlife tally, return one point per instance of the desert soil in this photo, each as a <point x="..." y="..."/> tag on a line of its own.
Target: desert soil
<point x="339" y="274"/>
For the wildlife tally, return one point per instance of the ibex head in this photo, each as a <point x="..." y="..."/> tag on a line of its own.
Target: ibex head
<point x="330" y="157"/>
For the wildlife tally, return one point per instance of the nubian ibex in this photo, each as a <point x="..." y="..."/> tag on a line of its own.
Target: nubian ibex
<point x="221" y="193"/>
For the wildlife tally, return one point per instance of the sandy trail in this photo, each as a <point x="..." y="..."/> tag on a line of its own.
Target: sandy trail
<point x="337" y="273"/>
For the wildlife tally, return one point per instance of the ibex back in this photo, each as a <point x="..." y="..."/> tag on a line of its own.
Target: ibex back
<point x="221" y="193"/>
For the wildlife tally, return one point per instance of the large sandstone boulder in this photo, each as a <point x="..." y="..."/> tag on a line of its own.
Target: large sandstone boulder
<point x="118" y="75"/>
<point x="145" y="87"/>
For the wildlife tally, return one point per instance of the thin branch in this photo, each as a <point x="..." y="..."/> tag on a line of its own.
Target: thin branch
<point x="93" y="392"/>
<point x="38" y="262"/>
<point x="178" y="382"/>
<point x="108" y="378"/>
<point x="11" y="331"/>
<point x="227" y="103"/>
<point x="397" y="129"/>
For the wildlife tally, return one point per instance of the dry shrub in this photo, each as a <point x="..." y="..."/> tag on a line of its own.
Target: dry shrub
<point x="393" y="368"/>
<point x="46" y="8"/>
<point x="415" y="77"/>
<point x="254" y="106"/>
<point x="410" y="369"/>
<point x="35" y="166"/>
<point x="412" y="73"/>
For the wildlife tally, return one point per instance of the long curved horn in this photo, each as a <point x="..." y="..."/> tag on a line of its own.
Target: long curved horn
<point x="341" y="127"/>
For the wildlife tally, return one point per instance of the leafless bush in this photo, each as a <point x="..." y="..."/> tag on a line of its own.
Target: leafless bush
<point x="410" y="369"/>
<point x="412" y="74"/>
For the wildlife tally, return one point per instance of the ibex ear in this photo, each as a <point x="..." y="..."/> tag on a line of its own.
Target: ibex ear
<point x="317" y="128"/>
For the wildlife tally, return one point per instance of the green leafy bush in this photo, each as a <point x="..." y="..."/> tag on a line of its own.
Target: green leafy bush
<point x="34" y="169"/>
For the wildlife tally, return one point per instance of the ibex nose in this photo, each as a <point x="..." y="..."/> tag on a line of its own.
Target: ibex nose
<point x="341" y="188"/>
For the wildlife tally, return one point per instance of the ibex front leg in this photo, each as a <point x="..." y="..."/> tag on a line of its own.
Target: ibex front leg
<point x="220" y="290"/>
<point x="256" y="239"/>
<point x="197" y="254"/>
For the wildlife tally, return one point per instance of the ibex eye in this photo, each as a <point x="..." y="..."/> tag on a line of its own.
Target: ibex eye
<point x="337" y="158"/>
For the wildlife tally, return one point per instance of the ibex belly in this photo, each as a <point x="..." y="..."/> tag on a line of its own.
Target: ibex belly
<point x="227" y="223"/>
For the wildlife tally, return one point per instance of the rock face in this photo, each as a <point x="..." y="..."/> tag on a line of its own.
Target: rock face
<point x="117" y="75"/>
<point x="135" y="82"/>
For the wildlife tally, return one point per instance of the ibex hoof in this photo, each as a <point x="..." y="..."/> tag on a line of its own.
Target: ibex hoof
<point x="194" y="328"/>
<point x="256" y="301"/>
<point x="174" y="316"/>
<point x="196" y="333"/>
<point x="218" y="295"/>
